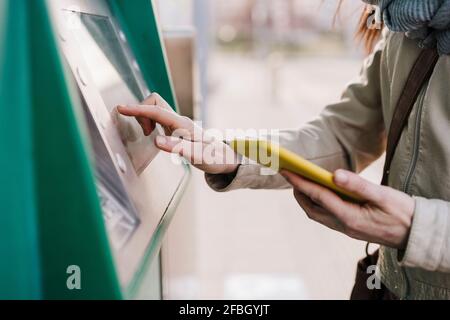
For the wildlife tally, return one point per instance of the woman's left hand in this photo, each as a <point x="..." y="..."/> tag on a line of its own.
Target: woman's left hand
<point x="385" y="219"/>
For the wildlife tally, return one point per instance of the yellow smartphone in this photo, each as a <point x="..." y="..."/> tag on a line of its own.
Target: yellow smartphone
<point x="276" y="157"/>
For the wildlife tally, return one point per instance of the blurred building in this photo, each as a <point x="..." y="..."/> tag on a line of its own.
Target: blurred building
<point x="285" y="22"/>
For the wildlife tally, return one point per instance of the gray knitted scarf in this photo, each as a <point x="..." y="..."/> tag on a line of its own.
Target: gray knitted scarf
<point x="427" y="21"/>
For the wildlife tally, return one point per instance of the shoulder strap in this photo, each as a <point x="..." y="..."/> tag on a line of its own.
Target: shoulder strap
<point x="420" y="73"/>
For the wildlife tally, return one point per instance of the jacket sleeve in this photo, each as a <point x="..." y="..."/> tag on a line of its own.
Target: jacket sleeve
<point x="429" y="240"/>
<point x="349" y="134"/>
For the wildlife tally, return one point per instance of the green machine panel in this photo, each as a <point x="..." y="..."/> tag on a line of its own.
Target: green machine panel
<point x="87" y="198"/>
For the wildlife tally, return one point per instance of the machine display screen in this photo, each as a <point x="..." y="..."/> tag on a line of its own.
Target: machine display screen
<point x="102" y="50"/>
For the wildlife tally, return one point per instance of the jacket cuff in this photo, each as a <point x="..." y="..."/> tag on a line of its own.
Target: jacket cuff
<point x="244" y="177"/>
<point x="429" y="240"/>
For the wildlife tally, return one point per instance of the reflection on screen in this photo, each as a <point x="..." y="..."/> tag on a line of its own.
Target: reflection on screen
<point x="103" y="52"/>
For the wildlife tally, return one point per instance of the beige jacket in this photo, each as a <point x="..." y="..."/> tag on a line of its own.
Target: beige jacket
<point x="351" y="134"/>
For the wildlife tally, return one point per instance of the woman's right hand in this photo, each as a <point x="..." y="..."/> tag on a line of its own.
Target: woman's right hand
<point x="183" y="136"/>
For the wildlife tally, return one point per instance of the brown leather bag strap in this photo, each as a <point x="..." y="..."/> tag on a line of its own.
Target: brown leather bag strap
<point x="419" y="75"/>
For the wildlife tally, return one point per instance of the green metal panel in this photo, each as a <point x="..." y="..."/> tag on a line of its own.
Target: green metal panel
<point x="48" y="192"/>
<point x="19" y="259"/>
<point x="139" y="22"/>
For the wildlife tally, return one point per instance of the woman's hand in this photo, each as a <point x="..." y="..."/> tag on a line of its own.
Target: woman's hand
<point x="385" y="219"/>
<point x="182" y="136"/>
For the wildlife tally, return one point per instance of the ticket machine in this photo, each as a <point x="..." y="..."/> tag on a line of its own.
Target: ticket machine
<point x="90" y="197"/>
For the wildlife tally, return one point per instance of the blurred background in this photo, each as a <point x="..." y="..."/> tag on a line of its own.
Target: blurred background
<point x="259" y="64"/>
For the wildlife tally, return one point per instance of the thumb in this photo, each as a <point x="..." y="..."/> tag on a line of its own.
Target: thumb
<point x="359" y="186"/>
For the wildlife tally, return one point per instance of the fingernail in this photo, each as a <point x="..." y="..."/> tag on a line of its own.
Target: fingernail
<point x="340" y="177"/>
<point x="161" y="140"/>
